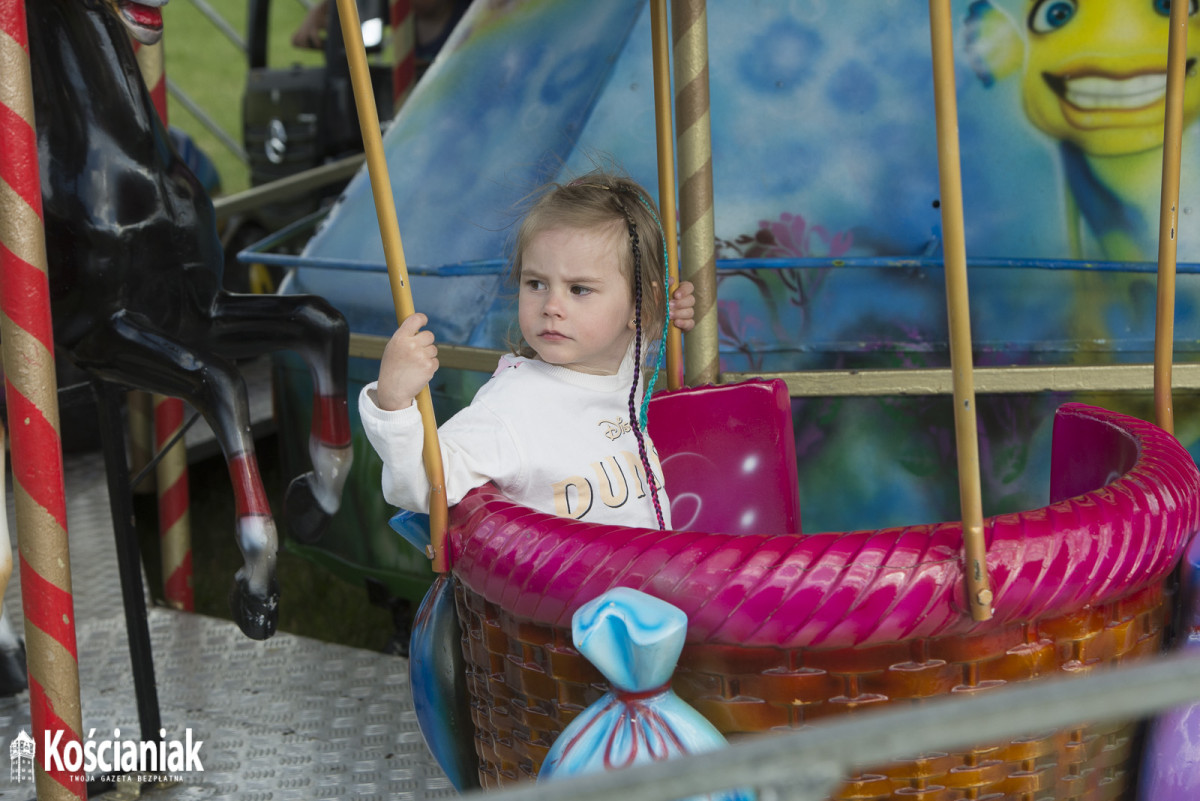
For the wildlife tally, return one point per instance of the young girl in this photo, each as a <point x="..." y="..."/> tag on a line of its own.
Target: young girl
<point x="560" y="426"/>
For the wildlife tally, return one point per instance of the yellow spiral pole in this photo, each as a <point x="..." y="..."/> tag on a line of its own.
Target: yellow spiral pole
<point x="393" y="251"/>
<point x="1168" y="218"/>
<point x="979" y="593"/>
<point x="693" y="126"/>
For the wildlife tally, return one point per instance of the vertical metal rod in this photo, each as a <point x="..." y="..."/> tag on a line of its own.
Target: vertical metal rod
<point x="393" y="251"/>
<point x="664" y="138"/>
<point x="129" y="559"/>
<point x="979" y="594"/>
<point x="1168" y="221"/>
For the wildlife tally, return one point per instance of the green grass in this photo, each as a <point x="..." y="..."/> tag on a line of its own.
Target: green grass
<point x="211" y="70"/>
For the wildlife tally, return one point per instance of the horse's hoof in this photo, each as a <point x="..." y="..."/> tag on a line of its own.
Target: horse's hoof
<point x="306" y="520"/>
<point x="255" y="615"/>
<point x="13" y="678"/>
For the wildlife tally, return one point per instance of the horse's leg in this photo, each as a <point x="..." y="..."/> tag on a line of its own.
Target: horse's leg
<point x="130" y="353"/>
<point x="249" y="325"/>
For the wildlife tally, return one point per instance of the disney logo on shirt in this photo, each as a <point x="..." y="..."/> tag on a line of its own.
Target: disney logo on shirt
<point x="614" y="429"/>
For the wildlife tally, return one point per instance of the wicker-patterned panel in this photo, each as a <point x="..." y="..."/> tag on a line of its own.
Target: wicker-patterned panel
<point x="527" y="682"/>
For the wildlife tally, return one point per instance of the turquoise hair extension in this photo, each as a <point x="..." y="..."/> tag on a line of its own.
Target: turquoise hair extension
<point x="662" y="342"/>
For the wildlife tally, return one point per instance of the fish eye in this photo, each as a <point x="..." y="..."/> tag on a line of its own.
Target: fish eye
<point x="1047" y="16"/>
<point x="1163" y="7"/>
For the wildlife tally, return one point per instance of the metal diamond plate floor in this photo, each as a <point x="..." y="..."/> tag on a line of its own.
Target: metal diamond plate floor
<point x="289" y="718"/>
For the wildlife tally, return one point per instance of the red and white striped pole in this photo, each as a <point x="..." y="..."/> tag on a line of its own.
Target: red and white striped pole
<point x="404" y="51"/>
<point x="174" y="519"/>
<point x="171" y="472"/>
<point x="32" y="391"/>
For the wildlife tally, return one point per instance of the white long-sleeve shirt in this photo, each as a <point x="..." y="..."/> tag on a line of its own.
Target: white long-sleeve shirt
<point x="550" y="438"/>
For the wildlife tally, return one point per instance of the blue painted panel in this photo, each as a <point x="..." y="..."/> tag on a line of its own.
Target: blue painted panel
<point x="823" y="148"/>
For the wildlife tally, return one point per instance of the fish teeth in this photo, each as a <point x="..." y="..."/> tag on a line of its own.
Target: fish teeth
<point x="1093" y="92"/>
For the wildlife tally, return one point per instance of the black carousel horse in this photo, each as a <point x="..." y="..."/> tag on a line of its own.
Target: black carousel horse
<point x="135" y="276"/>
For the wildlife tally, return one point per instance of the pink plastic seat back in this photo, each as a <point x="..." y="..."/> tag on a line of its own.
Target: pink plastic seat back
<point x="1087" y="453"/>
<point x="729" y="457"/>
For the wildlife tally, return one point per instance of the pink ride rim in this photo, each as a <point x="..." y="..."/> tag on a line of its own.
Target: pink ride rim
<point x="845" y="589"/>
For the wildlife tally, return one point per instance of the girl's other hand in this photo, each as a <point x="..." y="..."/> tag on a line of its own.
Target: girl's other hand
<point x="409" y="362"/>
<point x="683" y="306"/>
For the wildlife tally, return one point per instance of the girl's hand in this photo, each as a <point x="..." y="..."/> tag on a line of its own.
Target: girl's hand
<point x="409" y="362"/>
<point x="683" y="303"/>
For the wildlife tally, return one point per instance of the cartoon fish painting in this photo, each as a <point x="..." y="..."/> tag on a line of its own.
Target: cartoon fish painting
<point x="1093" y="78"/>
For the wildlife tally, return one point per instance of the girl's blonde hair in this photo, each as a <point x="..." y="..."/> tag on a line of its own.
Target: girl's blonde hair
<point x="601" y="199"/>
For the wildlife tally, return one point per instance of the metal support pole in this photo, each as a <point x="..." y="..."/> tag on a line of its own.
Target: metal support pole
<point x="693" y="133"/>
<point x="129" y="558"/>
<point x="978" y="588"/>
<point x="1168" y="224"/>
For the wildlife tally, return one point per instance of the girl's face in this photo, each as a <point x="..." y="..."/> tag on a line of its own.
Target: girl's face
<point x="575" y="304"/>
